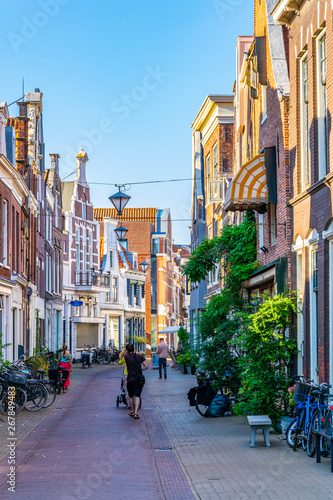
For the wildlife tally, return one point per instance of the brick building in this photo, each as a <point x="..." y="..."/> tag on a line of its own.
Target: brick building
<point x="149" y="236"/>
<point x="261" y="169"/>
<point x="309" y="26"/>
<point x="123" y="306"/>
<point x="213" y="133"/>
<point x="83" y="283"/>
<point x="13" y="269"/>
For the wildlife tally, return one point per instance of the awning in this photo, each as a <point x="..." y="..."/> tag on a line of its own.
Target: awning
<point x="248" y="190"/>
<point x="170" y="329"/>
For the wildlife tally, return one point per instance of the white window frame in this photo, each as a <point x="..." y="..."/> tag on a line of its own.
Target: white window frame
<point x="91" y="248"/>
<point x="263" y="103"/>
<point x="305" y="168"/>
<point x="261" y="220"/>
<point x="313" y="318"/>
<point x="77" y="247"/>
<point x="321" y="112"/>
<point x="215" y="171"/>
<point x="5" y="233"/>
<point x="111" y="259"/>
<point x="207" y="161"/>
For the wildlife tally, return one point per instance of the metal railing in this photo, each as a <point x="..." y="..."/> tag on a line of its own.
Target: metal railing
<point x="92" y="278"/>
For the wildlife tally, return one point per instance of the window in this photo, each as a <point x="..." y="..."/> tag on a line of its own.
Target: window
<point x="314" y="314"/>
<point x="305" y="123"/>
<point x="155" y="244"/>
<point x="215" y="172"/>
<point x="216" y="228"/>
<point x="111" y="258"/>
<point x="273" y="224"/>
<point x="261" y="230"/>
<point x="56" y="210"/>
<point x="13" y="240"/>
<point x="210" y="232"/>
<point x="322" y="106"/>
<point x="114" y="289"/>
<point x="5" y="233"/>
<point x="77" y="249"/>
<point x="208" y="178"/>
<point x="84" y="210"/>
<point x="263" y="103"/>
<point x="91" y="248"/>
<point x="124" y="243"/>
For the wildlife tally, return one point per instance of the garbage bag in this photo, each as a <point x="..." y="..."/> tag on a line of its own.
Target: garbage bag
<point x="217" y="408"/>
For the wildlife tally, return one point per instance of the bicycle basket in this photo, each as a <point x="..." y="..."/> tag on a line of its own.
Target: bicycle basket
<point x="301" y="391"/>
<point x="17" y="378"/>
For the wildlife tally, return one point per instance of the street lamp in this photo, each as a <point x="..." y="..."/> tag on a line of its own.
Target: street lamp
<point x="119" y="200"/>
<point x="121" y="232"/>
<point x="144" y="266"/>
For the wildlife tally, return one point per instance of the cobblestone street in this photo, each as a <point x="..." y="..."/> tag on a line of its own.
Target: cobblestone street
<point x="87" y="448"/>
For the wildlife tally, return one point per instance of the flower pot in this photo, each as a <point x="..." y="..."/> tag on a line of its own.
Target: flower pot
<point x="183" y="369"/>
<point x="179" y="366"/>
<point x="188" y="369"/>
<point x="193" y="370"/>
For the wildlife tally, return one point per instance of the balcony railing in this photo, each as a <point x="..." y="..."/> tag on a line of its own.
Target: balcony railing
<point x="92" y="278"/>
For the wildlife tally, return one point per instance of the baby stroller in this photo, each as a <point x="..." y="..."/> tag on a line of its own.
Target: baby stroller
<point x="123" y="396"/>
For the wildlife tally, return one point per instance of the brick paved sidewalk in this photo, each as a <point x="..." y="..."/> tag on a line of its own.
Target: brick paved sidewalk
<point x="87" y="448"/>
<point x="26" y="421"/>
<point x="216" y="456"/>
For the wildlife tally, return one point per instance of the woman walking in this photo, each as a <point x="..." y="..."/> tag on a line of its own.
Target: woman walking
<point x="65" y="360"/>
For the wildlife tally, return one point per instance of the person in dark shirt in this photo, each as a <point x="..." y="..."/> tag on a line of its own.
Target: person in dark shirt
<point x="134" y="387"/>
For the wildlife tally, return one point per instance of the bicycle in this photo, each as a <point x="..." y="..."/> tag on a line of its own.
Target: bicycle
<point x="202" y="396"/>
<point x="11" y="400"/>
<point x="296" y="431"/>
<point x="319" y="415"/>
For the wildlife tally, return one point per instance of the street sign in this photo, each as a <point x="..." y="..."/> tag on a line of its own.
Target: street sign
<point x="76" y="303"/>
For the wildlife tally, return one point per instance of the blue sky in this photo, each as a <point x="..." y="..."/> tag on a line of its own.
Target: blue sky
<point x="124" y="80"/>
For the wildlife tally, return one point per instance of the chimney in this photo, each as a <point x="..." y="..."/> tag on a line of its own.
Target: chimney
<point x="55" y="163"/>
<point x="81" y="161"/>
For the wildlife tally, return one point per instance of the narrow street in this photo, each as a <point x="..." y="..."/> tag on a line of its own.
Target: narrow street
<point x="88" y="448"/>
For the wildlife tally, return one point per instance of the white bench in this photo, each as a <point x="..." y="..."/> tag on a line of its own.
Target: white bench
<point x="262" y="422"/>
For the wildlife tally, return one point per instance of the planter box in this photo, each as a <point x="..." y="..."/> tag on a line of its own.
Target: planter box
<point x="183" y="369"/>
<point x="284" y="422"/>
<point x="188" y="369"/>
<point x="179" y="366"/>
<point x="193" y="370"/>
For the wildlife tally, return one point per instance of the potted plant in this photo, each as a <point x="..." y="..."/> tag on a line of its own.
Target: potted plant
<point x="185" y="360"/>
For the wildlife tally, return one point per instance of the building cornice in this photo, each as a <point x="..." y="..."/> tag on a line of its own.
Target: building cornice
<point x="211" y="102"/>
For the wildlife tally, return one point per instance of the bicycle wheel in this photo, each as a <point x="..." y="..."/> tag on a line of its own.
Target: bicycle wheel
<point x="325" y="444"/>
<point x="290" y="434"/>
<point x="311" y="444"/>
<point x="19" y="401"/>
<point x="51" y="394"/>
<point x="36" y="397"/>
<point x="59" y="383"/>
<point x="100" y="359"/>
<point x="200" y="407"/>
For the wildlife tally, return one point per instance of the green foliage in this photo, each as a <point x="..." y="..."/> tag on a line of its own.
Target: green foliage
<point x="139" y="340"/>
<point x="3" y="362"/>
<point x="267" y="355"/>
<point x="236" y="248"/>
<point x="185" y="358"/>
<point x="202" y="260"/>
<point x="184" y="337"/>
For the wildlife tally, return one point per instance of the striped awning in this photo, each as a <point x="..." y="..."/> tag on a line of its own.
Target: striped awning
<point x="248" y="189"/>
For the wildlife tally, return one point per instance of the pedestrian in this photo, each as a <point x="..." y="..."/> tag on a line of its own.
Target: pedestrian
<point x="135" y="364"/>
<point x="65" y="360"/>
<point x="162" y="351"/>
<point x="124" y="378"/>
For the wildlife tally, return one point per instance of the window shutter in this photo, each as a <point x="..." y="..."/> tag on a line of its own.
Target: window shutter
<point x="143" y="291"/>
<point x="128" y="287"/>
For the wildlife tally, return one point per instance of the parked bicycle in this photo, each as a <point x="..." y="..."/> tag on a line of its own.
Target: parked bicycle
<point x="310" y="413"/>
<point x="203" y="395"/>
